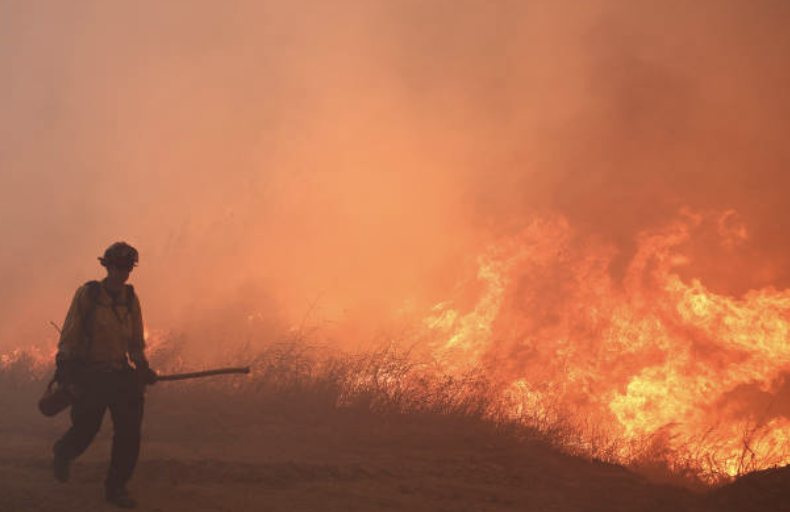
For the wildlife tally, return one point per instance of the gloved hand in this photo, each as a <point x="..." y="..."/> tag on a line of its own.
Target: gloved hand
<point x="145" y="374"/>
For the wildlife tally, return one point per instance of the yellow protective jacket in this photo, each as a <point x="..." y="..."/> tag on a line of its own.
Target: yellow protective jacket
<point x="103" y="331"/>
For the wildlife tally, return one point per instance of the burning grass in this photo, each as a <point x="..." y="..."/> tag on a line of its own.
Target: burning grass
<point x="648" y="370"/>
<point x="301" y="380"/>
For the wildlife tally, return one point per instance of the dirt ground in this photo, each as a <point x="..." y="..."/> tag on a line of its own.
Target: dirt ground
<point x="223" y="453"/>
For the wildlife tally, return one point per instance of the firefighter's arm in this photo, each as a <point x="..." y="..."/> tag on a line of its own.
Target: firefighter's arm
<point x="71" y="336"/>
<point x="71" y="339"/>
<point x="137" y="344"/>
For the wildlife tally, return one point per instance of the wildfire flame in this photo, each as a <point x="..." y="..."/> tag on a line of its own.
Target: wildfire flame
<point x="644" y="358"/>
<point x="649" y="355"/>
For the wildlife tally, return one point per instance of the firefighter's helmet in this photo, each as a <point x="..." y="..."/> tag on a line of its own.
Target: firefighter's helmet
<point x="120" y="254"/>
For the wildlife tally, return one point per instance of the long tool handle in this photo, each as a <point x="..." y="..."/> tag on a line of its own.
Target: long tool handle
<point x="207" y="373"/>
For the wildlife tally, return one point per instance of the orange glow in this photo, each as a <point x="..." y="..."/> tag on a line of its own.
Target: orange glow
<point x="283" y="176"/>
<point x="649" y="355"/>
<point x="29" y="364"/>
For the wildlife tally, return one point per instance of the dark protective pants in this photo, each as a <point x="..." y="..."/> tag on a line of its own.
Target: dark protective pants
<point x="121" y="392"/>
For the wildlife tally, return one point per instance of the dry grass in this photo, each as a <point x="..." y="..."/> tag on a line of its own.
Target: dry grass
<point x="298" y="379"/>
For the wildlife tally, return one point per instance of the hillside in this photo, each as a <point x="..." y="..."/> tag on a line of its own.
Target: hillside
<point x="207" y="451"/>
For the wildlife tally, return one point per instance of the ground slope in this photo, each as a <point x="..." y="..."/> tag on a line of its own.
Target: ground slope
<point x="225" y="453"/>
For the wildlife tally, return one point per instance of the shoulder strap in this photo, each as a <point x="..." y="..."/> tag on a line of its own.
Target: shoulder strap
<point x="94" y="290"/>
<point x="129" y="295"/>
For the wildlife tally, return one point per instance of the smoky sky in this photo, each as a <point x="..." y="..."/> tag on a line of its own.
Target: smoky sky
<point x="266" y="156"/>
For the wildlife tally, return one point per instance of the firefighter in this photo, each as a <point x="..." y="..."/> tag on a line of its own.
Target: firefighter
<point x="101" y="361"/>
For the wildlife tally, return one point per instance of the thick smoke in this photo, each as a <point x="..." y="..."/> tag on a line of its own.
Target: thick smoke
<point x="266" y="156"/>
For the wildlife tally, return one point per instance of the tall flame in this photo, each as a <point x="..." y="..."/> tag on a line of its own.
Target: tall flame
<point x="644" y="356"/>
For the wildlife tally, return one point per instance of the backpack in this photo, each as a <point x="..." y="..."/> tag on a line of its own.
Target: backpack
<point x="94" y="291"/>
<point x="56" y="399"/>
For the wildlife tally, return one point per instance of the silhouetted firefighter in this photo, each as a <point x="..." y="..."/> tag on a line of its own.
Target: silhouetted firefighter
<point x="101" y="362"/>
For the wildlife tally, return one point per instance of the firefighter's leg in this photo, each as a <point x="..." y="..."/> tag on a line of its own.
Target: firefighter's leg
<point x="127" y="417"/>
<point x="86" y="418"/>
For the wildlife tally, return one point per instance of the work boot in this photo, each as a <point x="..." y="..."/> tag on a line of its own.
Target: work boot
<point x="61" y="466"/>
<point x="120" y="497"/>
